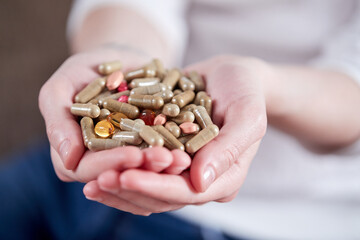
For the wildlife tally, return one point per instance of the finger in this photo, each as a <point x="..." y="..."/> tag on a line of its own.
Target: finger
<point x="93" y="192"/>
<point x="181" y="161"/>
<point x="157" y="159"/>
<point x="95" y="163"/>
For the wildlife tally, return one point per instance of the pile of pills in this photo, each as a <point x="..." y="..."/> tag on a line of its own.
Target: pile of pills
<point x="146" y="107"/>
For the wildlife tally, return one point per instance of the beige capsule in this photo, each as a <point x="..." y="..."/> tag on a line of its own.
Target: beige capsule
<point x="183" y="98"/>
<point x="115" y="106"/>
<point x="85" y="110"/>
<point x="132" y="138"/>
<point x="97" y="144"/>
<point x="202" y="117"/>
<point x="104" y="113"/>
<point x="87" y="129"/>
<point x="143" y="145"/>
<point x="95" y="100"/>
<point x="114" y="96"/>
<point x="160" y="70"/>
<point x="169" y="140"/>
<point x="184" y="139"/>
<point x="91" y="90"/>
<point x="131" y="125"/>
<point x="167" y="95"/>
<point x="172" y="78"/>
<point x="202" y="138"/>
<point x="173" y="128"/>
<point x="109" y="67"/>
<point x="149" y="90"/>
<point x="151" y="137"/>
<point x="146" y="101"/>
<point x="189" y="107"/>
<point x="184" y="116"/>
<point x="203" y="99"/>
<point x="186" y="84"/>
<point x="177" y="92"/>
<point x="143" y="82"/>
<point x="197" y="79"/>
<point x="171" y="110"/>
<point x="145" y="72"/>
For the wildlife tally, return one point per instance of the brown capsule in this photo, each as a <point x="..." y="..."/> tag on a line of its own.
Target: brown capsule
<point x="183" y="98"/>
<point x="104" y="113"/>
<point x="87" y="129"/>
<point x="114" y="96"/>
<point x="129" y="110"/>
<point x="95" y="100"/>
<point x="146" y="101"/>
<point x="109" y="67"/>
<point x="197" y="79"/>
<point x="171" y="78"/>
<point x="171" y="110"/>
<point x="184" y="116"/>
<point x="131" y="125"/>
<point x="151" y="137"/>
<point x="202" y="138"/>
<point x="169" y="140"/>
<point x="132" y="138"/>
<point x="143" y="82"/>
<point x="91" y="90"/>
<point x="203" y="99"/>
<point x="177" y="92"/>
<point x="186" y="84"/>
<point x="85" y="110"/>
<point x="173" y="128"/>
<point x="202" y="117"/>
<point x="149" y="90"/>
<point x="167" y="95"/>
<point x="189" y="107"/>
<point x="160" y="70"/>
<point x="97" y="144"/>
<point x="186" y="138"/>
<point x="144" y="72"/>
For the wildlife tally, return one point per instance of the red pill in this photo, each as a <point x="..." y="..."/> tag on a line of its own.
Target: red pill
<point x="123" y="86"/>
<point x="123" y="98"/>
<point x="148" y="117"/>
<point x="114" y="80"/>
<point x="160" y="119"/>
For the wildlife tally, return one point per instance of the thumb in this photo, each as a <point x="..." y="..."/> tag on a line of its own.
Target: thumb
<point x="241" y="129"/>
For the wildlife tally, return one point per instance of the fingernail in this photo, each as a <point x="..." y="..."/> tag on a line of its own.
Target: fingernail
<point x="64" y="149"/>
<point x="208" y="176"/>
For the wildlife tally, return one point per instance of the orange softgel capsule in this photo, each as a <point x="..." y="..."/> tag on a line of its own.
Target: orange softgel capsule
<point x="115" y="118"/>
<point x="104" y="129"/>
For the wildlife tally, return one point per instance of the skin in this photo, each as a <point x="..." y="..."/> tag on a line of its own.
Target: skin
<point x="316" y="106"/>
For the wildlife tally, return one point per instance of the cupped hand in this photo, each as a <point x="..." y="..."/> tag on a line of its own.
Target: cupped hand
<point x="237" y="87"/>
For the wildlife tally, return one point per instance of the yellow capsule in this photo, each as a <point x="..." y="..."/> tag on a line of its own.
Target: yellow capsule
<point x="104" y="129"/>
<point x="115" y="118"/>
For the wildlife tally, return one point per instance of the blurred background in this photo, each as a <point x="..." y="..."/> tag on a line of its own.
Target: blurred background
<point x="32" y="47"/>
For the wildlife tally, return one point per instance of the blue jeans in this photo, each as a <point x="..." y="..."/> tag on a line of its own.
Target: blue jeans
<point x="35" y="204"/>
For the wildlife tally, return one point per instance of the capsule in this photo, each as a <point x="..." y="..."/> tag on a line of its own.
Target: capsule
<point x="160" y="70"/>
<point x="95" y="100"/>
<point x="173" y="128"/>
<point x="166" y="95"/>
<point x="115" y="118"/>
<point x="114" y="96"/>
<point x="189" y="127"/>
<point x="149" y="90"/>
<point x="202" y="117"/>
<point x="98" y="144"/>
<point x="183" y="98"/>
<point x="160" y="119"/>
<point x="85" y="110"/>
<point x="129" y="110"/>
<point x="186" y="138"/>
<point x="189" y="107"/>
<point x="197" y="79"/>
<point x="172" y="78"/>
<point x="87" y="129"/>
<point x="104" y="113"/>
<point x="171" y="110"/>
<point x="114" y="80"/>
<point x="177" y="92"/>
<point x="109" y="67"/>
<point x="203" y="99"/>
<point x="202" y="138"/>
<point x="131" y="125"/>
<point x="151" y="137"/>
<point x="186" y="84"/>
<point x="104" y="129"/>
<point x="169" y="140"/>
<point x="144" y="72"/>
<point x="132" y="138"/>
<point x="184" y="116"/>
<point x="143" y="82"/>
<point x="146" y="101"/>
<point x="91" y="90"/>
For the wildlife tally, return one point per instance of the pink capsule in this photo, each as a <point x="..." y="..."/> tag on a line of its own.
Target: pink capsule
<point x="160" y="119"/>
<point x="114" y="80"/>
<point x="123" y="86"/>
<point x="123" y="99"/>
<point x="189" y="127"/>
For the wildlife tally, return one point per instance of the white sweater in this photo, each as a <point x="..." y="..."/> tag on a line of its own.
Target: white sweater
<point x="290" y="193"/>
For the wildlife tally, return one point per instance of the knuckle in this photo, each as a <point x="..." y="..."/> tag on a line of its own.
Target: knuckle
<point x="231" y="154"/>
